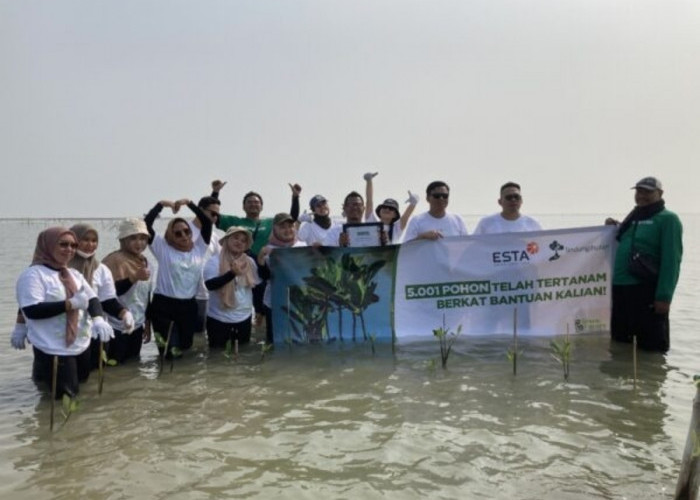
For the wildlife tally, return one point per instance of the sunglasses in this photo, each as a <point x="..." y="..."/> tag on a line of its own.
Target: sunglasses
<point x="440" y="196"/>
<point x="512" y="197"/>
<point x="67" y="244"/>
<point x="182" y="232"/>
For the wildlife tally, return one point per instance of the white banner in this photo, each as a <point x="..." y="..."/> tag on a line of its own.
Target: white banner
<point x="553" y="279"/>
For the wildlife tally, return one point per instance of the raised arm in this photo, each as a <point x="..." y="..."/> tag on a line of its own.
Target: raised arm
<point x="216" y="186"/>
<point x="151" y="217"/>
<point x="205" y="221"/>
<point x="294" y="209"/>
<point x="412" y="202"/>
<point x="369" y="194"/>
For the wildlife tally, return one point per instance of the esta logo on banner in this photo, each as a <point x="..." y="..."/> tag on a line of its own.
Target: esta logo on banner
<point x="513" y="256"/>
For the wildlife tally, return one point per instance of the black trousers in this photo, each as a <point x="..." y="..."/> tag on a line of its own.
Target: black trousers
<point x="181" y="313"/>
<point x="218" y="332"/>
<point x="66" y="376"/>
<point x="258" y="293"/>
<point x="633" y="315"/>
<point x="124" y="347"/>
<point x="270" y="335"/>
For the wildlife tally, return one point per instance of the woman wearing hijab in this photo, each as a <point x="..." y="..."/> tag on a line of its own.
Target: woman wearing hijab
<point x="230" y="277"/>
<point x="132" y="280"/>
<point x="61" y="310"/>
<point x="180" y="263"/>
<point x="100" y="279"/>
<point x="284" y="235"/>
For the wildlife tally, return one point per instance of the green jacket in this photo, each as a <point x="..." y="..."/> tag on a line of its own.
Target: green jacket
<point x="659" y="237"/>
<point x="260" y="229"/>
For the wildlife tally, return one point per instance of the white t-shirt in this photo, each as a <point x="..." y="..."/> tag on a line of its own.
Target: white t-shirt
<point x="243" y="307"/>
<point x="214" y="249"/>
<point x="449" y="225"/>
<point x="103" y="285"/>
<point x="136" y="299"/>
<point x="311" y="233"/>
<point x="179" y="273"/>
<point x="396" y="233"/>
<point x="39" y="284"/>
<point x="332" y="237"/>
<point x="492" y="224"/>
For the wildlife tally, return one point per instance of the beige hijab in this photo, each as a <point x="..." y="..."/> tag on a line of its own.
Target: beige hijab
<point x="245" y="277"/>
<point x="46" y="244"/>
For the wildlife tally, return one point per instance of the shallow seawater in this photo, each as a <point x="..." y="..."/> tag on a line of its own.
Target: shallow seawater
<point x="339" y="421"/>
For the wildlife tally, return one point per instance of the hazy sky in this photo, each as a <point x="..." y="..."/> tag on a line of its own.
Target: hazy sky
<point x="108" y="106"/>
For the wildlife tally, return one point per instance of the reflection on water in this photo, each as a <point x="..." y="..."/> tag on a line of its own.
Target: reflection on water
<point x="338" y="422"/>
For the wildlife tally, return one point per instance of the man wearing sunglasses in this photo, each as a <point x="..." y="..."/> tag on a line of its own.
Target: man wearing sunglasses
<point x="437" y="222"/>
<point x="509" y="219"/>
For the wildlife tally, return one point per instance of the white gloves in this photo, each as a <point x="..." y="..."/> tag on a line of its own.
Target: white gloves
<point x="101" y="329"/>
<point x="306" y="217"/>
<point x="412" y="198"/>
<point x="19" y="336"/>
<point x="128" y="322"/>
<point x="79" y="300"/>
<point x="369" y="176"/>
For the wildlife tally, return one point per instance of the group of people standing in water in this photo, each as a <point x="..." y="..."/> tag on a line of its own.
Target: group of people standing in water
<point x="72" y="306"/>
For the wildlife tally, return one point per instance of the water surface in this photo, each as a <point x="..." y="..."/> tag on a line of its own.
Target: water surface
<point x="338" y="421"/>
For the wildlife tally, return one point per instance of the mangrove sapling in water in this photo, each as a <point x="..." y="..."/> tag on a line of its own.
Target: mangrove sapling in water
<point x="264" y="348"/>
<point x="446" y="338"/>
<point x="372" y="337"/>
<point x="103" y="360"/>
<point x="231" y="350"/>
<point x="69" y="406"/>
<point x="513" y="353"/>
<point x="288" y="337"/>
<point x="562" y="353"/>
<point x="164" y="344"/>
<point x="634" y="362"/>
<point x="54" y="380"/>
